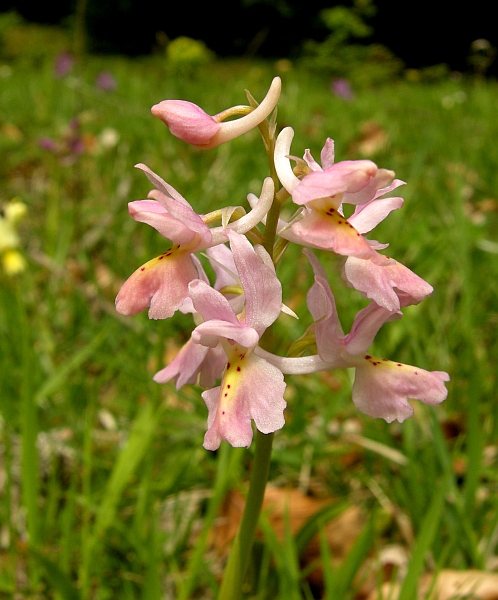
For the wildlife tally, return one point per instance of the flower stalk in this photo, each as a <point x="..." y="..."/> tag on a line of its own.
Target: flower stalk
<point x="240" y="554"/>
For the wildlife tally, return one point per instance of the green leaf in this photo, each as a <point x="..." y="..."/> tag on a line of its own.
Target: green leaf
<point x="56" y="577"/>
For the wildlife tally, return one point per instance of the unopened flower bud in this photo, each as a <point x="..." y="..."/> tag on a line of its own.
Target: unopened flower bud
<point x="187" y="121"/>
<point x="191" y="124"/>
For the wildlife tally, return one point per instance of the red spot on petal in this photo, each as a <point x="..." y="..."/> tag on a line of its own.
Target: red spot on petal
<point x="238" y="369"/>
<point x="160" y="257"/>
<point x="142" y="268"/>
<point x="223" y="412"/>
<point x="228" y="386"/>
<point x="228" y="366"/>
<point x="399" y="365"/>
<point x="367" y="356"/>
<point x="226" y="395"/>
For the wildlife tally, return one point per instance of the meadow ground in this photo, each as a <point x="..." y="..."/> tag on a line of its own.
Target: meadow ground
<point x="106" y="490"/>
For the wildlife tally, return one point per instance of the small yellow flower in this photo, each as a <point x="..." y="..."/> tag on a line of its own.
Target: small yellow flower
<point x="12" y="260"/>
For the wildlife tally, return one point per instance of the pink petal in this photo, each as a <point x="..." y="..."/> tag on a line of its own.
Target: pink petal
<point x="345" y="176"/>
<point x="221" y="260"/>
<point x="209" y="332"/>
<point x="382" y="388"/>
<point x="192" y="360"/>
<point x="184" y="213"/>
<point x="185" y="366"/>
<point x="310" y="161"/>
<point x="331" y="231"/>
<point x="392" y="186"/>
<point x="381" y="283"/>
<point x="220" y="321"/>
<point x="161" y="185"/>
<point x="262" y="289"/>
<point x="210" y="304"/>
<point x="161" y="283"/>
<point x="365" y="327"/>
<point x="327" y="154"/>
<point x="321" y="304"/>
<point x="155" y="215"/>
<point x="251" y="389"/>
<point x="381" y="179"/>
<point x="186" y="121"/>
<point x="369" y="215"/>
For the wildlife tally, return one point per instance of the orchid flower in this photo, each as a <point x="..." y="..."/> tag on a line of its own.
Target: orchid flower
<point x="381" y="387"/>
<point x="162" y="283"/>
<point x="378" y="277"/>
<point x="251" y="388"/>
<point x="191" y="124"/>
<point x="323" y="191"/>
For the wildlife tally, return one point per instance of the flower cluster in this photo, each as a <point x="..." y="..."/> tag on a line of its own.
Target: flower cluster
<point x="225" y="354"/>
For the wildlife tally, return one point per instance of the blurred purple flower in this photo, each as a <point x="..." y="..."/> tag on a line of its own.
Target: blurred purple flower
<point x="48" y="144"/>
<point x="342" y="88"/>
<point x="105" y="81"/>
<point x="63" y="64"/>
<point x="69" y="146"/>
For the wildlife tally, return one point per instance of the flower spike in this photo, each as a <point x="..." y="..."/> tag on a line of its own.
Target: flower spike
<point x="239" y="297"/>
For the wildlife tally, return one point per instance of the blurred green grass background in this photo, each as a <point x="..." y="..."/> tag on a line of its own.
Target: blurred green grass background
<point x="102" y="471"/>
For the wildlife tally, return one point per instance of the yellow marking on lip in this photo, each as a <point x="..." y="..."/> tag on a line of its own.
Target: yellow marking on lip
<point x="233" y="371"/>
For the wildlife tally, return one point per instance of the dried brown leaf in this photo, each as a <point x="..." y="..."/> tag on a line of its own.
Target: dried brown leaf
<point x="449" y="585"/>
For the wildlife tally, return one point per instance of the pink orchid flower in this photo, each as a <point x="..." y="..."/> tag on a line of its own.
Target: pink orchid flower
<point x="251" y="388"/>
<point x="191" y="124"/>
<point x="381" y="387"/>
<point x="162" y="283"/>
<point x="377" y="277"/>
<point x="323" y="191"/>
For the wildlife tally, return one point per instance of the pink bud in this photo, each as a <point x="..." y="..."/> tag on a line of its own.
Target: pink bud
<point x="186" y="121"/>
<point x="191" y="124"/>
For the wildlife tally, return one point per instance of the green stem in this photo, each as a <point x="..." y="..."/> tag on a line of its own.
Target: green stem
<point x="238" y="561"/>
